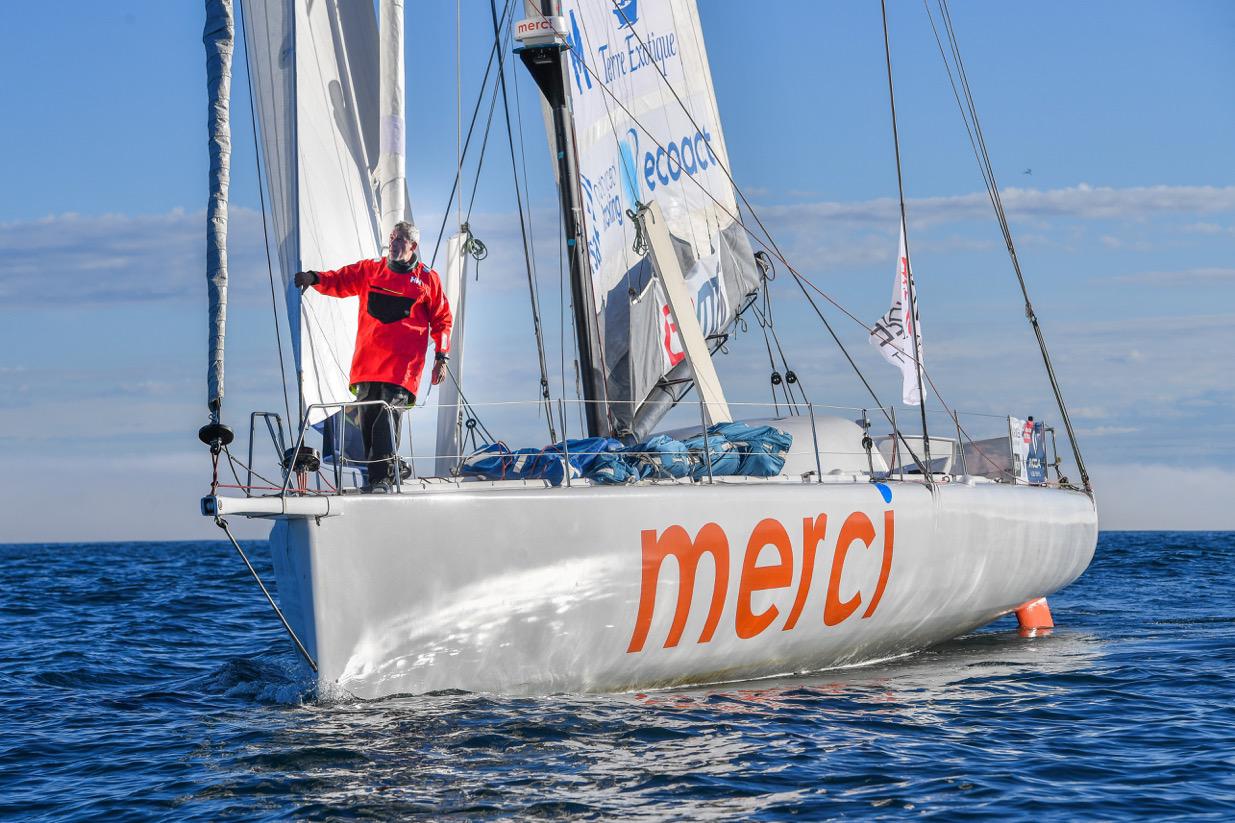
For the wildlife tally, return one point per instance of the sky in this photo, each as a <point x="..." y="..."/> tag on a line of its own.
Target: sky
<point x="1110" y="126"/>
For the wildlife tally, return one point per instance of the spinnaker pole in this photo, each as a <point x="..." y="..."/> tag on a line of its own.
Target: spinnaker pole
<point x="543" y="52"/>
<point x="219" y="39"/>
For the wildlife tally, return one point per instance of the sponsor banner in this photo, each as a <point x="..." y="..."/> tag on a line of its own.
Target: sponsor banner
<point x="1028" y="440"/>
<point x="1020" y="449"/>
<point x="1035" y="457"/>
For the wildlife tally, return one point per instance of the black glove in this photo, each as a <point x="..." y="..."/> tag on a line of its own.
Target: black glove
<point x="304" y="279"/>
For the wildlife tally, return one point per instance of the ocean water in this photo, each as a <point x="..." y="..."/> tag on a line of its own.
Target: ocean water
<point x="150" y="681"/>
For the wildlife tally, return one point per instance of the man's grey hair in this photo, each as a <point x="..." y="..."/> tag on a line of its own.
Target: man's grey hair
<point x="407" y="231"/>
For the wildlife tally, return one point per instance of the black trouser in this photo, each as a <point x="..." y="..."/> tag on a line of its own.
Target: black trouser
<point x="380" y="446"/>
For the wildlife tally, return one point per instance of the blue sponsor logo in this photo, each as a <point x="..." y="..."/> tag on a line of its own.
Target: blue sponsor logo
<point x="690" y="154"/>
<point x="578" y="68"/>
<point x="627" y="13"/>
<point x="662" y="165"/>
<point x="592" y="232"/>
<point x="628" y="150"/>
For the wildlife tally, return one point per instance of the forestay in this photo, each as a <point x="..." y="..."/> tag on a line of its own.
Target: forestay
<point x="637" y="143"/>
<point x="314" y="69"/>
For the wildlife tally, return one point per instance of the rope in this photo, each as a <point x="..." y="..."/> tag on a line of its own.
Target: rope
<point x="911" y="311"/>
<point x="641" y="244"/>
<point x="466" y="143"/>
<point x="478" y="250"/>
<point x="978" y="142"/>
<point x="222" y="524"/>
<point x="523" y="231"/>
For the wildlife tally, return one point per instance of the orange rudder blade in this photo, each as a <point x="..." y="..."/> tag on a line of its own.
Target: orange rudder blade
<point x="1034" y="618"/>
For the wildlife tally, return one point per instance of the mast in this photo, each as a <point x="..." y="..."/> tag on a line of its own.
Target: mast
<point x="219" y="39"/>
<point x="392" y="158"/>
<point x="543" y="53"/>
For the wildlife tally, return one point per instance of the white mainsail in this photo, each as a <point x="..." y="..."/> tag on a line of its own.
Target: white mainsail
<point x="648" y="129"/>
<point x="314" y="70"/>
<point x="894" y="333"/>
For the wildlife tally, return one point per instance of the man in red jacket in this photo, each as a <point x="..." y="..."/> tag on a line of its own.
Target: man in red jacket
<point x="401" y="304"/>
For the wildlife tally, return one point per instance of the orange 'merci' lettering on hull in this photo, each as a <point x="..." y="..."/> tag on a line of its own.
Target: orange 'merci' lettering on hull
<point x="885" y="567"/>
<point x="856" y="527"/>
<point x="712" y="540"/>
<point x="675" y="541"/>
<point x="814" y="529"/>
<point x="769" y="532"/>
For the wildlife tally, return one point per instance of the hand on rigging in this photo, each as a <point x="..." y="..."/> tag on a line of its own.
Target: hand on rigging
<point x="304" y="279"/>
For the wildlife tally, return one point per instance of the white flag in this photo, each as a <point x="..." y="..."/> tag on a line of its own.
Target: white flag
<point x="891" y="333"/>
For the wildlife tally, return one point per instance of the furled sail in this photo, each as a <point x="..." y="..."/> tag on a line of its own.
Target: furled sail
<point x="450" y="394"/>
<point x="219" y="38"/>
<point x="648" y="128"/>
<point x="314" y="71"/>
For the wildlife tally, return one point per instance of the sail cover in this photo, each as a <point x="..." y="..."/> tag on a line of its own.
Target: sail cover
<point x="314" y="71"/>
<point x="647" y="128"/>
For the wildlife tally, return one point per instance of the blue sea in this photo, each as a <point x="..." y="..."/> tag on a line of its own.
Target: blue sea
<point x="151" y="681"/>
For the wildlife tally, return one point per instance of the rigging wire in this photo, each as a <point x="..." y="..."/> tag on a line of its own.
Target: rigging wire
<point x="261" y="194"/>
<point x="493" y="53"/>
<point x="308" y="658"/>
<point x="978" y="141"/>
<point x="480" y="162"/>
<point x="911" y="312"/>
<point x="791" y="378"/>
<point x="527" y="251"/>
<point x="776" y="377"/>
<point x="768" y="243"/>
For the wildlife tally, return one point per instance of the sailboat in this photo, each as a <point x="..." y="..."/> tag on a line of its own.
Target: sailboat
<point x="525" y="586"/>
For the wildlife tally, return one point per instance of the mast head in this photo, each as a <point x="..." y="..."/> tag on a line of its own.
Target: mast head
<point x="534" y="32"/>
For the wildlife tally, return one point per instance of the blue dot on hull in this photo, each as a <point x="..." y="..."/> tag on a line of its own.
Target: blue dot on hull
<point x="885" y="491"/>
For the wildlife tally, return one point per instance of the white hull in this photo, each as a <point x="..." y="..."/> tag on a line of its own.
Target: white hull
<point x="520" y="589"/>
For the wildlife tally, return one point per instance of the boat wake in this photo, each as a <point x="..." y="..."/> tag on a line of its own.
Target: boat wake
<point x="262" y="680"/>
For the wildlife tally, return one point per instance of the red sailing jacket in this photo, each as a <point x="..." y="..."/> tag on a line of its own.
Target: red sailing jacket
<point x="398" y="312"/>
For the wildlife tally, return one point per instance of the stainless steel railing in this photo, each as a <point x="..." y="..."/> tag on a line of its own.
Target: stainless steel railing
<point x="991" y="457"/>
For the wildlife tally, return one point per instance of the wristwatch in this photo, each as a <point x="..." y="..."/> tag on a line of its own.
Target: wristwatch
<point x="441" y="357"/>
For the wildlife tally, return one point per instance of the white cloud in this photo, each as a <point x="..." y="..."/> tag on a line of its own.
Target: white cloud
<point x="130" y="497"/>
<point x="1106" y="431"/>
<point x="1183" y="277"/>
<point x="1082" y="201"/>
<point x="120" y="258"/>
<point x="1155" y="496"/>
<point x="1208" y="228"/>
